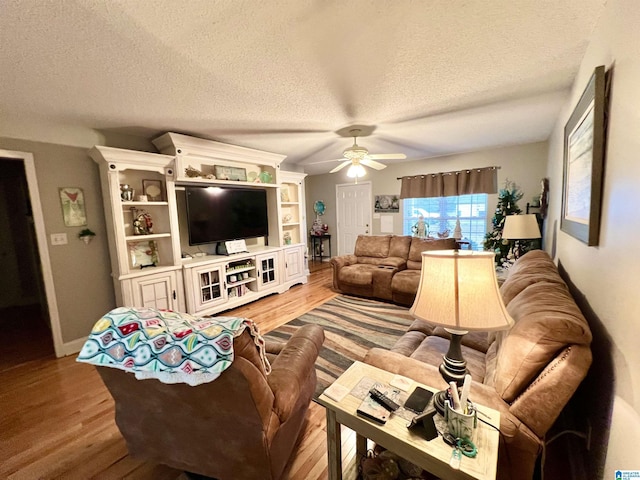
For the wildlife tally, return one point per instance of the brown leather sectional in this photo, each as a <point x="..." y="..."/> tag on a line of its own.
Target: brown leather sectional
<point x="527" y="373"/>
<point x="386" y="267"/>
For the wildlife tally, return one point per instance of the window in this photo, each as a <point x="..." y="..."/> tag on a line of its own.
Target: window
<point x="441" y="213"/>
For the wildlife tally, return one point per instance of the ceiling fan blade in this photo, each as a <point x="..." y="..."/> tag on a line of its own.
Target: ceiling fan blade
<point x="372" y="163"/>
<point x="388" y="156"/>
<point x="341" y="166"/>
<point x="326" y="161"/>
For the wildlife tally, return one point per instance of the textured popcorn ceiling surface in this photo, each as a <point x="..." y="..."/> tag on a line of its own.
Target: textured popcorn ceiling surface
<point x="434" y="77"/>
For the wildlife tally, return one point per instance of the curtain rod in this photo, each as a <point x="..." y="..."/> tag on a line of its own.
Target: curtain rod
<point x="496" y="167"/>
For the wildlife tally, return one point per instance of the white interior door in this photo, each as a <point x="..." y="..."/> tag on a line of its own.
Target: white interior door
<point x="354" y="214"/>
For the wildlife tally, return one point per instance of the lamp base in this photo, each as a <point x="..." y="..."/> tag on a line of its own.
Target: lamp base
<point x="439" y="399"/>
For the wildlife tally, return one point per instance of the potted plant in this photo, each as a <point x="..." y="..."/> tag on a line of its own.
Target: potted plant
<point x="86" y="235"/>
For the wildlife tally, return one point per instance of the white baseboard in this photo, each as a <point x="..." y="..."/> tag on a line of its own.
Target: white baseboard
<point x="72" y="347"/>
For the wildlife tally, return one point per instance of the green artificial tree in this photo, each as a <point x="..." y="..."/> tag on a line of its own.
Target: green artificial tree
<point x="508" y="198"/>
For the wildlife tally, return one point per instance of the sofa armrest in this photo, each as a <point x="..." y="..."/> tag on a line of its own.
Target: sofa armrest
<point x="342" y="261"/>
<point x="292" y="368"/>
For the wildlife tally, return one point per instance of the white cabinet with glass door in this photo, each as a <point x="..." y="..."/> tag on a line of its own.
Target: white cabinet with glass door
<point x="268" y="266"/>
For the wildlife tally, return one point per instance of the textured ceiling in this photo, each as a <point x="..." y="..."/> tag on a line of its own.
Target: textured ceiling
<point x="433" y="77"/>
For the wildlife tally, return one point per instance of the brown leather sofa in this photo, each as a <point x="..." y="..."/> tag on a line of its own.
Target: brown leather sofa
<point x="244" y="424"/>
<point x="527" y="373"/>
<point x="386" y="267"/>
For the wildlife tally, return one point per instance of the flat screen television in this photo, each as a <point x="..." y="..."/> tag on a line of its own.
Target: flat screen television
<point x="217" y="214"/>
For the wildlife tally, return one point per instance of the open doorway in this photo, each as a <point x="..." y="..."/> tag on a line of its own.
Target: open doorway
<point x="24" y="321"/>
<point x="29" y="323"/>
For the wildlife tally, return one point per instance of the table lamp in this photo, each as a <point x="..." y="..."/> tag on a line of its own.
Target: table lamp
<point x="458" y="290"/>
<point x="520" y="227"/>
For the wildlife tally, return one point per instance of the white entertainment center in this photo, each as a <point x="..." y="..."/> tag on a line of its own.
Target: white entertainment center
<point x="154" y="266"/>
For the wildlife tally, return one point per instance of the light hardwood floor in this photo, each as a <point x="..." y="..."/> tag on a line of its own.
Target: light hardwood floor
<point x="57" y="418"/>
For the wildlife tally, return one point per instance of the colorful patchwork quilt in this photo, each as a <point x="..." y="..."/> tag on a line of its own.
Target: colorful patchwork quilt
<point x="169" y="346"/>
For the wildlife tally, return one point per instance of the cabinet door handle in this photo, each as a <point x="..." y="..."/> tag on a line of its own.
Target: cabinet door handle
<point x="174" y="295"/>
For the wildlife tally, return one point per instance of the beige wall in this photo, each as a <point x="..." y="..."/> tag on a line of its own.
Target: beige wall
<point x="81" y="273"/>
<point x="607" y="275"/>
<point x="523" y="164"/>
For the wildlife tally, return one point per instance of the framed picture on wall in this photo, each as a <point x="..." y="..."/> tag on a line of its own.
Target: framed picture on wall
<point x="72" y="202"/>
<point x="584" y="146"/>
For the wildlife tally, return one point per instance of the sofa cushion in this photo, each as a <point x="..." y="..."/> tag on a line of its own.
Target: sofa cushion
<point x="546" y="321"/>
<point x="399" y="246"/>
<point x="406" y="281"/>
<point x="358" y="274"/>
<point x="419" y="245"/>
<point x="376" y="246"/>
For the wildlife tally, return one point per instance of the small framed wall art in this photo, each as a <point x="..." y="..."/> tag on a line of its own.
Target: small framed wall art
<point x="72" y="202"/>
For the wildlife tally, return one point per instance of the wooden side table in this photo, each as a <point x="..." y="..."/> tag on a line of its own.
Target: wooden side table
<point x="433" y="456"/>
<point x="316" y="243"/>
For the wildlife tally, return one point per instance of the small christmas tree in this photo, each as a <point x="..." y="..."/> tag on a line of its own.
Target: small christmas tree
<point x="507" y="205"/>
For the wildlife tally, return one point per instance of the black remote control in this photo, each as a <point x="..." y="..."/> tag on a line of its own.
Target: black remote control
<point x="383" y="400"/>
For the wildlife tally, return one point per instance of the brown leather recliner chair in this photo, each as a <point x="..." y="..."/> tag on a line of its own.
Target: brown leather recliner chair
<point x="243" y="425"/>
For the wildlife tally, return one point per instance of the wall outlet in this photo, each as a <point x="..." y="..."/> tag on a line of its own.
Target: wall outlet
<point x="59" y="239"/>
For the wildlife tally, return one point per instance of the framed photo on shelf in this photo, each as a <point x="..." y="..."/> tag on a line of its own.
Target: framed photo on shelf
<point x="231" y="173"/>
<point x="144" y="254"/>
<point x="584" y="137"/>
<point x="153" y="190"/>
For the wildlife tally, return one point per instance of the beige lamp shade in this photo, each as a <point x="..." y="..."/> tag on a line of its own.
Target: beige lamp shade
<point x="520" y="227"/>
<point x="459" y="290"/>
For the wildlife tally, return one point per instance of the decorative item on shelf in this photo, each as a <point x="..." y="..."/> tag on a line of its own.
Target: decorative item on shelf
<point x="126" y="193"/>
<point x="142" y="198"/>
<point x="459" y="291"/>
<point x="265" y="177"/>
<point x="153" y="190"/>
<point x="86" y="235"/>
<point x="142" y="222"/>
<point x="286" y="218"/>
<point x="192" y="172"/>
<point x="287" y="238"/>
<point x="284" y="195"/>
<point x="318" y="228"/>
<point x="230" y="173"/>
<point x="195" y="173"/>
<point x="144" y="254"/>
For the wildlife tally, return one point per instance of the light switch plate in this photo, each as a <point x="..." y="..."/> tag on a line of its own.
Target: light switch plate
<point x="59" y="239"/>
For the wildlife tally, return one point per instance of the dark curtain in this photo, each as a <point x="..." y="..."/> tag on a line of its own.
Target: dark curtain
<point x="448" y="184"/>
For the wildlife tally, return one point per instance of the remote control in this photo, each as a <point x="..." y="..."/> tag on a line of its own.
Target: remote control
<point x="383" y="400"/>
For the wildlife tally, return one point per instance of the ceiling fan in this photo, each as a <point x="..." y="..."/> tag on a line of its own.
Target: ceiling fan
<point x="357" y="156"/>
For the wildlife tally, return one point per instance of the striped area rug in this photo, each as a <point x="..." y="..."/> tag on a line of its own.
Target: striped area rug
<point x="352" y="326"/>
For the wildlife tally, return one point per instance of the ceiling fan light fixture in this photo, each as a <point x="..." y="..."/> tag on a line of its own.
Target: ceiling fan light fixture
<point x="356" y="170"/>
<point x="355" y="153"/>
